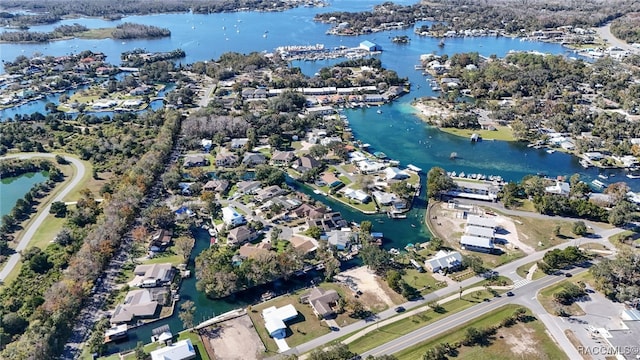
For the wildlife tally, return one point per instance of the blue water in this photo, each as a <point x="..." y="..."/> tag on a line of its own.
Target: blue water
<point x="397" y="131"/>
<point x="14" y="188"/>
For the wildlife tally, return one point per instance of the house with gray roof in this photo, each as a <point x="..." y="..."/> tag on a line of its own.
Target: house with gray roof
<point x="137" y="304"/>
<point x="253" y="159"/>
<point x="322" y="301"/>
<point x="153" y="275"/>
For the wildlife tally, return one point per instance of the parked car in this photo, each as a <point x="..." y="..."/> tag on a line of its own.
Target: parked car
<point x="399" y="309"/>
<point x="509" y="293"/>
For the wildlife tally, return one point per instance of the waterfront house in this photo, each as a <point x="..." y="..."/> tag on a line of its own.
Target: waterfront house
<point x="181" y="350"/>
<point x="593" y="156"/>
<point x="194" y="160"/>
<point x="321" y="110"/>
<point x="393" y="173"/>
<point x="305" y="163"/>
<point x="231" y="217"/>
<point x="321" y="301"/>
<point x="559" y="188"/>
<point x="268" y="192"/>
<point x="282" y="158"/>
<point x="216" y="185"/>
<point x="153" y="275"/>
<point x="369" y="166"/>
<point x="303" y="243"/>
<point x="226" y="159"/>
<point x="444" y="260"/>
<point x="254" y="251"/>
<point x="137" y="304"/>
<point x="357" y="195"/>
<point x="475" y="190"/>
<point x="275" y="319"/>
<point x="328" y="221"/>
<point x="247" y="187"/>
<point x="384" y="198"/>
<point x="309" y="211"/>
<point x="253" y="159"/>
<point x="160" y="240"/>
<point x="341" y="238"/>
<point x="241" y="234"/>
<point x="373" y="98"/>
<point x="330" y="140"/>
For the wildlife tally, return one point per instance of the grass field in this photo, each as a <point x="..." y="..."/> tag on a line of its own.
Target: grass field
<point x="520" y="341"/>
<point x="502" y="133"/>
<point x="404" y="326"/>
<point x="201" y="353"/>
<point x="523" y="270"/>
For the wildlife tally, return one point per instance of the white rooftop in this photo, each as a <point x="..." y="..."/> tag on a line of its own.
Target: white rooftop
<point x="181" y="350"/>
<point x="480" y="231"/>
<point x="480" y="221"/>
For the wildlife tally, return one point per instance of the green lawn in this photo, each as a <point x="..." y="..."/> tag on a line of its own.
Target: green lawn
<point x="404" y="326"/>
<point x="522" y="271"/>
<point x="304" y="328"/>
<point x="422" y="281"/>
<point x="201" y="353"/>
<point x="501" y="346"/>
<point x="502" y="133"/>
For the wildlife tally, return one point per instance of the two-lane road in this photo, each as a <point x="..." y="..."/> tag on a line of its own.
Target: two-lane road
<point x="42" y="215"/>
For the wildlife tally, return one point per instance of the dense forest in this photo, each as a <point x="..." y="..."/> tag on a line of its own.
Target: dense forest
<point x="47" y="12"/>
<point x="627" y="28"/>
<point x="122" y="31"/>
<point x="492" y="14"/>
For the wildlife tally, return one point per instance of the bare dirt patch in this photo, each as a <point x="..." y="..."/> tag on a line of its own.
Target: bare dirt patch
<point x="373" y="294"/>
<point x="520" y="340"/>
<point x="234" y="339"/>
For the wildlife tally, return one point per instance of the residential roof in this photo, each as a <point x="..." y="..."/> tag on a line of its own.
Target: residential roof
<point x="256" y="158"/>
<point x="444" y="259"/>
<point x="303" y="244"/>
<point x="341" y="238"/>
<point x="253" y="251"/>
<point x="480" y="231"/>
<point x="283" y="156"/>
<point x="181" y="350"/>
<point x="240" y="232"/>
<point x="395" y="173"/>
<point x="476" y="241"/>
<point x="481" y="221"/>
<point x="321" y="300"/>
<point x="159" y="272"/>
<point x="136" y="303"/>
<point x="217" y="185"/>
<point x="275" y="318"/>
<point x="247" y="186"/>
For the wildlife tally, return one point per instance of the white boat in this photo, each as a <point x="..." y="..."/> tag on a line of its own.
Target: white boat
<point x="585" y="164"/>
<point x="598" y="184"/>
<point x="550" y="151"/>
<point x="414" y="168"/>
<point x="633" y="176"/>
<point x="602" y="176"/>
<point x="379" y="111"/>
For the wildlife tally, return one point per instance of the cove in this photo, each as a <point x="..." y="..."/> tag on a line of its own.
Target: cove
<point x="14" y="188"/>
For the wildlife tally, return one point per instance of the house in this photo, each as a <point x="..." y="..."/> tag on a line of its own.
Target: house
<point x="322" y="301"/>
<point x="216" y="185"/>
<point x="194" y="160"/>
<point x="137" y="304"/>
<point x="247" y="187"/>
<point x="275" y="319"/>
<point x="384" y="198"/>
<point x="181" y="350"/>
<point x="321" y="110"/>
<point x="475" y="243"/>
<point x="282" y="158"/>
<point x="309" y="211"/>
<point x="305" y="163"/>
<point x="442" y="260"/>
<point x="483" y="232"/>
<point x="160" y="239"/>
<point x="304" y="244"/>
<point x="268" y="192"/>
<point x="393" y="173"/>
<point x="231" y="217"/>
<point x="367" y="166"/>
<point x="253" y="159"/>
<point x="206" y="144"/>
<point x="226" y="159"/>
<point x="341" y="238"/>
<point x="560" y="188"/>
<point x="370" y="46"/>
<point x="327" y="222"/>
<point x="330" y="140"/>
<point x="254" y="251"/>
<point x="357" y="195"/>
<point x="154" y="275"/>
<point x="475" y="220"/>
<point x="593" y="156"/>
<point x="238" y="143"/>
<point x="240" y="235"/>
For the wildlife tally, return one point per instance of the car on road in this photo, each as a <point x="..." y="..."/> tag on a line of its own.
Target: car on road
<point x="509" y="293"/>
<point x="568" y="275"/>
<point x="400" y="309"/>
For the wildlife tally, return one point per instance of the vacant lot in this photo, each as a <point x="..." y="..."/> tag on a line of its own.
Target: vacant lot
<point x="235" y="339"/>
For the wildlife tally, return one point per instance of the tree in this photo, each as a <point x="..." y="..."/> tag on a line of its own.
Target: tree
<point x="473" y="262"/>
<point x="579" y="228"/>
<point x="139" y="351"/>
<point x="162" y="217"/>
<point x="377" y="259"/>
<point x="335" y="352"/>
<point x="314" y="232"/>
<point x="437" y="182"/>
<point x="183" y="246"/>
<point x="269" y="175"/>
<point x="187" y="311"/>
<point x="58" y="208"/>
<point x="365" y="227"/>
<point x="435" y="243"/>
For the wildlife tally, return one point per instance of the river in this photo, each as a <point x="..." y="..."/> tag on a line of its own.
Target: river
<point x="396" y="131"/>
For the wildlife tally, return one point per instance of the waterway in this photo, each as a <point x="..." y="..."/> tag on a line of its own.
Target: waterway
<point x="396" y="131"/>
<point x="14" y="188"/>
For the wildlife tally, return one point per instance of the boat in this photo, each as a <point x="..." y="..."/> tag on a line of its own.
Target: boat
<point x="414" y="168"/>
<point x="379" y="111"/>
<point x="441" y="43"/>
<point x="585" y="164"/>
<point x="454" y="155"/>
<point x="602" y="176"/>
<point x="550" y="151"/>
<point x="599" y="184"/>
<point x="396" y="215"/>
<point x="115" y="333"/>
<point x="475" y="137"/>
<point x="212" y="232"/>
<point x="633" y="176"/>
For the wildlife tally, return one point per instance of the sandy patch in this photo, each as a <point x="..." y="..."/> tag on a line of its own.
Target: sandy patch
<point x="520" y="340"/>
<point x="234" y="339"/>
<point x="305" y="145"/>
<point x="432" y="108"/>
<point x="511" y="237"/>
<point x="367" y="282"/>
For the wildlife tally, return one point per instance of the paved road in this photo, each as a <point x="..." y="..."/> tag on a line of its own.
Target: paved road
<point x="605" y="33"/>
<point x="42" y="215"/>
<point x="508" y="270"/>
<point x="457" y="319"/>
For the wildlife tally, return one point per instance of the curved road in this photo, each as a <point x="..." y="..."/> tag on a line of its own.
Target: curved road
<point x="605" y="33"/>
<point x="42" y="214"/>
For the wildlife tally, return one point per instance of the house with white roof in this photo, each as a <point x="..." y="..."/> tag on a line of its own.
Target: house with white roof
<point x="443" y="260"/>
<point x="367" y="166"/>
<point x="475" y="220"/>
<point x="560" y="188"/>
<point x="275" y="319"/>
<point x="357" y="195"/>
<point x="475" y="243"/>
<point x="231" y="217"/>
<point x="393" y="173"/>
<point x="341" y="238"/>
<point x="181" y="350"/>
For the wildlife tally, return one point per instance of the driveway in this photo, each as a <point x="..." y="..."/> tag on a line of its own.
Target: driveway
<point x="33" y="226"/>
